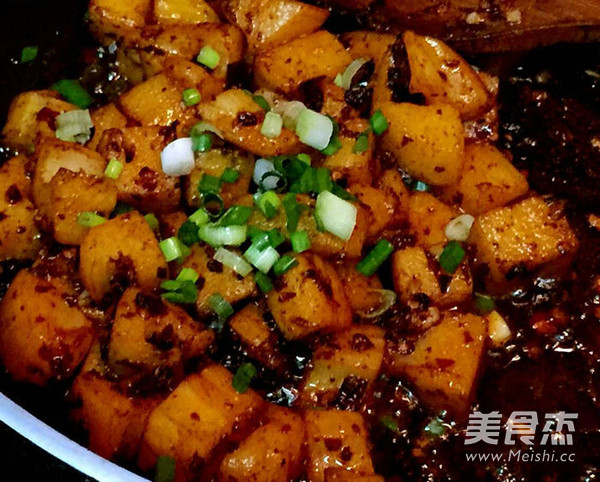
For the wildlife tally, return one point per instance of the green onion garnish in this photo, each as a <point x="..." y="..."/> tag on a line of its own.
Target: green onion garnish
<point x="262" y="259"/>
<point x="305" y="158"/>
<point x="389" y="423"/>
<point x="340" y="192"/>
<point x="233" y="261"/>
<point x="230" y="175"/>
<point x="190" y="97"/>
<point x="271" y="126"/>
<point x="420" y="186"/>
<point x="260" y="100"/>
<point x="336" y="215"/>
<point x="188" y="233"/>
<point x="199" y="217"/>
<point x="187" y="274"/>
<point x="451" y="257"/>
<point x="292" y="211"/>
<point x="152" y="221"/>
<point x="209" y="184"/>
<point x="372" y="261"/>
<point x="284" y="264"/>
<point x="208" y="57"/>
<point x="73" y="92"/>
<point x="220" y="306"/>
<point x="435" y="428"/>
<point x="262" y="239"/>
<point x="165" y="469"/>
<point x="263" y="282"/>
<point x="378" y="122"/>
<point x="300" y="241"/>
<point x="88" y="219"/>
<point x="113" y="169"/>
<point x="173" y="249"/>
<point x="29" y="53"/>
<point x="314" y="129"/>
<point x="180" y="290"/>
<point x="268" y="203"/>
<point x="484" y="303"/>
<point x="202" y="142"/>
<point x="236" y="216"/>
<point x="362" y="143"/>
<point x="222" y="235"/>
<point x="243" y="376"/>
<point x="334" y="145"/>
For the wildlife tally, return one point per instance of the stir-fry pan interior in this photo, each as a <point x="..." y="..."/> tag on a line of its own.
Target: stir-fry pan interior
<point x="273" y="240"/>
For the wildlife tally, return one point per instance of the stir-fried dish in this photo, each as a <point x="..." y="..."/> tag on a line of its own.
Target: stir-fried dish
<point x="281" y="253"/>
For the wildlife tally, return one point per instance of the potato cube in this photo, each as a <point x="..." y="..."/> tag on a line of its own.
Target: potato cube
<point x="203" y="411"/>
<point x="310" y="297"/>
<point x="142" y="182"/>
<point x="43" y="338"/>
<point x="488" y="181"/>
<point x="18" y="231"/>
<point x="367" y="45"/>
<point x="32" y="114"/>
<point x="517" y="239"/>
<point x="120" y="252"/>
<point x="364" y="293"/>
<point x="356" y="352"/>
<point x="285" y="67"/>
<point x="112" y="20"/>
<point x="104" y="118"/>
<point x="337" y="439"/>
<point x="428" y="141"/>
<point x="445" y="362"/>
<point x="428" y="219"/>
<point x="186" y="74"/>
<point x="168" y="12"/>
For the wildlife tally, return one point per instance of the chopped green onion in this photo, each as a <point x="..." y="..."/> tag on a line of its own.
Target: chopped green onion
<point x="173" y="249"/>
<point x="220" y="306"/>
<point x="243" y="376"/>
<point x="29" y="53"/>
<point x="261" y="259"/>
<point x="268" y="203"/>
<point x="435" y="428"/>
<point x="201" y="127"/>
<point x="261" y="239"/>
<point x="313" y="180"/>
<point x="338" y="80"/>
<point x="420" y="186"/>
<point x="190" y="97"/>
<point x="451" y="257"/>
<point x="73" y="93"/>
<point x="389" y="423"/>
<point x="165" y="469"/>
<point x="271" y="126"/>
<point x="177" y="291"/>
<point x="289" y="111"/>
<point x="208" y="57"/>
<point x="362" y="143"/>
<point x="292" y="211"/>
<point x="187" y="274"/>
<point x="340" y="192"/>
<point x="208" y="184"/>
<point x="236" y="216"/>
<point x="222" y="235"/>
<point x="300" y="241"/>
<point x="113" y="169"/>
<point x="199" y="217"/>
<point x="284" y="264"/>
<point x="372" y="261"/>
<point x="188" y="233"/>
<point x="88" y="219"/>
<point x="277" y="184"/>
<point x="213" y="204"/>
<point x="152" y="221"/>
<point x="230" y="175"/>
<point x="233" y="261"/>
<point x="334" y="145"/>
<point x="378" y="122"/>
<point x="260" y="100"/>
<point x="345" y="81"/>
<point x="337" y="216"/>
<point x="305" y="158"/>
<point x="314" y="129"/>
<point x="291" y="167"/>
<point x="263" y="282"/>
<point x="484" y="303"/>
<point x="74" y="126"/>
<point x="202" y="142"/>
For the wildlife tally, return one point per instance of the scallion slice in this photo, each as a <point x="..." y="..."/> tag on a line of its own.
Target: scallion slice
<point x="268" y="203"/>
<point x="88" y="219"/>
<point x="202" y="142"/>
<point x="263" y="282"/>
<point x="334" y="145"/>
<point x="199" y="217"/>
<point x="314" y="129"/>
<point x="420" y="186"/>
<point x="187" y="274"/>
<point x="203" y="126"/>
<point x="113" y="169"/>
<point x="378" y="122"/>
<point x="152" y="221"/>
<point x="222" y="235"/>
<point x="173" y="249"/>
<point x="177" y="158"/>
<point x="165" y="469"/>
<point x="284" y="264"/>
<point x="271" y="126"/>
<point x="233" y="261"/>
<point x="264" y="259"/>
<point x="29" y="53"/>
<point x="361" y="144"/>
<point x="230" y="175"/>
<point x="300" y="241"/>
<point x="484" y="303"/>
<point x="236" y="216"/>
<point x="188" y="233"/>
<point x="190" y="97"/>
<point x="292" y="211"/>
<point x="243" y="376"/>
<point x="372" y="261"/>
<point x="338" y="216"/>
<point x="73" y="93"/>
<point x="305" y="158"/>
<point x="260" y="100"/>
<point x="213" y="204"/>
<point x="220" y="306"/>
<point x="209" y="184"/>
<point x="451" y="257"/>
<point x="345" y="80"/>
<point x="208" y="57"/>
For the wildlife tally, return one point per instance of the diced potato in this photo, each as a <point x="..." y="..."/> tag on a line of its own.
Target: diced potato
<point x="309" y="298"/>
<point x="31" y="115"/>
<point x="444" y="77"/>
<point x="114" y="421"/>
<point x="65" y="203"/>
<point x="168" y="12"/>
<point x="43" y="338"/>
<point x="392" y="184"/>
<point x="428" y="141"/>
<point x="363" y="292"/>
<point x="285" y="67"/>
<point x="356" y="352"/>
<point x="414" y="273"/>
<point x="382" y="93"/>
<point x="104" y="118"/>
<point x="488" y="181"/>
<point x="445" y="362"/>
<point x="142" y="182"/>
<point x="201" y="412"/>
<point x="367" y="45"/>
<point x="187" y="74"/>
<point x="428" y="219"/>
<point x="18" y="231"/>
<point x="112" y="20"/>
<point x="337" y="439"/>
<point x="272" y="453"/>
<point x="268" y="23"/>
<point x="216" y="278"/>
<point x="214" y="163"/>
<point x="150" y="336"/>
<point x="517" y="239"/>
<point x="120" y="252"/>
<point x="240" y="119"/>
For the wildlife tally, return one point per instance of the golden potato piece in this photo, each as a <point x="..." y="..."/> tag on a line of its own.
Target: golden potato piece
<point x="445" y="362"/>
<point x="112" y="20"/>
<point x="104" y="118"/>
<point x="444" y="77"/>
<point x="201" y="412"/>
<point x="187" y="74"/>
<point x="521" y="238"/>
<point x="284" y="68"/>
<point x="120" y="252"/>
<point x="42" y="337"/>
<point x="363" y="292"/>
<point x="168" y="12"/>
<point x="309" y="298"/>
<point x="428" y="218"/>
<point x="428" y="141"/>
